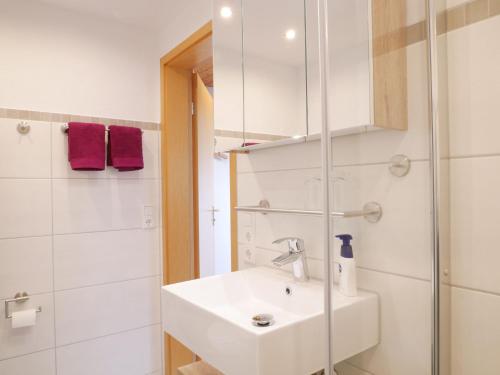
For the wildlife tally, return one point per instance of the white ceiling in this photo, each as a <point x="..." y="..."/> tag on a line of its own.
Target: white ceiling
<point x="266" y="21"/>
<point x="152" y="14"/>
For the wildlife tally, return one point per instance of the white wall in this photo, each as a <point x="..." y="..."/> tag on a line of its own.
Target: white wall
<point x="54" y="60"/>
<point x="74" y="241"/>
<point x="183" y="19"/>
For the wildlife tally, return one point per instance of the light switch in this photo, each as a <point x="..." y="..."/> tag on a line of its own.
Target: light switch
<point x="148" y="217"/>
<point x="249" y="255"/>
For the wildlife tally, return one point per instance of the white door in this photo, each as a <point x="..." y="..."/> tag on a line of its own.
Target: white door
<point x="222" y="228"/>
<point x="214" y="216"/>
<point x="203" y="103"/>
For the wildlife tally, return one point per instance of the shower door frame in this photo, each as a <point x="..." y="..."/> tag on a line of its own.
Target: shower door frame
<point x="434" y="158"/>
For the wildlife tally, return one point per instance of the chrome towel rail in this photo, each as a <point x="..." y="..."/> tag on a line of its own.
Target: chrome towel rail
<point x="65" y="128"/>
<point x="371" y="211"/>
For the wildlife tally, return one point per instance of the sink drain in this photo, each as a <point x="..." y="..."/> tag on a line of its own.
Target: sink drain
<point x="263" y="320"/>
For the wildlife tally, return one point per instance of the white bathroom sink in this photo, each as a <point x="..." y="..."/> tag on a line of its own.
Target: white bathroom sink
<point x="213" y="318"/>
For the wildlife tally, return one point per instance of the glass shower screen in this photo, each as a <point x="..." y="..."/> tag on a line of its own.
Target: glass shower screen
<point x="373" y="82"/>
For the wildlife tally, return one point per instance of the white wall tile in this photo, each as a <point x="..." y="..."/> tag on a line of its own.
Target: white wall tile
<point x="474" y="225"/>
<point x="246" y="227"/>
<point x="453" y="3"/>
<point x="20" y="341"/>
<point x="24" y="156"/>
<point x="25" y="265"/>
<point x="62" y="169"/>
<point x="25" y="208"/>
<point x="103" y="257"/>
<point x="475" y="333"/>
<point x="400" y="241"/>
<point x="302" y="155"/>
<point x="88" y="201"/>
<point x="474" y="88"/>
<point x="96" y="311"/>
<point x="88" y="205"/>
<point x="300" y="189"/>
<point x="405" y="322"/>
<point x="134" y="352"/>
<point x="272" y="227"/>
<point x="40" y="363"/>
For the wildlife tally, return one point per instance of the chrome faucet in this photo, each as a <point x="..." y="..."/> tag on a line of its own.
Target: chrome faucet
<point x="296" y="255"/>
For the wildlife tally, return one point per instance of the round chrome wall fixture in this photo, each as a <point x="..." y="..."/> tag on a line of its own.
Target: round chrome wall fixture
<point x="264" y="203"/>
<point x="400" y="165"/>
<point x="374" y="212"/>
<point x="23" y="128"/>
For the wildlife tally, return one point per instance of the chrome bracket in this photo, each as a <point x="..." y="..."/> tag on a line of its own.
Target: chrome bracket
<point x="18" y="298"/>
<point x="373" y="212"/>
<point x="23" y="128"/>
<point x="400" y="165"/>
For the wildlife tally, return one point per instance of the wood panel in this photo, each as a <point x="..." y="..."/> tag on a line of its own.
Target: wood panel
<point x="198" y="36"/>
<point x="177" y="197"/>
<point x="233" y="182"/>
<point x="205" y="70"/>
<point x="196" y="206"/>
<point x="390" y="102"/>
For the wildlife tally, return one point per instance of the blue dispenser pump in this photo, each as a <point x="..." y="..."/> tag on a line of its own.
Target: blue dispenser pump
<point x="346" y="249"/>
<point x="347" y="267"/>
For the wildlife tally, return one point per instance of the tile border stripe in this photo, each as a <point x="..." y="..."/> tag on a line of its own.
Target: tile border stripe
<point x="63" y="118"/>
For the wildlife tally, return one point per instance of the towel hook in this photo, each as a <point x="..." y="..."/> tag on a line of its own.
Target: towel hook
<point x="23" y="127"/>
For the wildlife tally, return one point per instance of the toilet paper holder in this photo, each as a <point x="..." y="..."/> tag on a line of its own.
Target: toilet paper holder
<point x="18" y="298"/>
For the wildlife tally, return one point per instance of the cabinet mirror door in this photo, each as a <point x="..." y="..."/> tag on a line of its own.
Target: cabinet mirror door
<point x="274" y="70"/>
<point x="228" y="74"/>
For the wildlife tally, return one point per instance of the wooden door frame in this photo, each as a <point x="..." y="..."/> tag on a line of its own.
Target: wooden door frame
<point x="179" y="174"/>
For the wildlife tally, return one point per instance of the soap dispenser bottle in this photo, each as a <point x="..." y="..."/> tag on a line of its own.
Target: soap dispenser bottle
<point x="347" y="268"/>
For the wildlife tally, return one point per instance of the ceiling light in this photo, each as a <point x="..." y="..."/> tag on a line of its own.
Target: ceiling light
<point x="291" y="34"/>
<point x="226" y="12"/>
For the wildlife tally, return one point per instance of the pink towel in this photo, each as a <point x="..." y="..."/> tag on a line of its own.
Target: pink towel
<point x="87" y="146"/>
<point x="125" y="148"/>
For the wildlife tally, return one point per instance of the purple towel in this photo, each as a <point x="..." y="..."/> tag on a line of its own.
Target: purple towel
<point x="87" y="146"/>
<point x="125" y="148"/>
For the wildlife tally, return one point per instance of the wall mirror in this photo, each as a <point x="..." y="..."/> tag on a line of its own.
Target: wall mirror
<point x="274" y="70"/>
<point x="228" y="75"/>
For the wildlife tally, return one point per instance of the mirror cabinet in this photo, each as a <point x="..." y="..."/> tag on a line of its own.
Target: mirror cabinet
<point x="266" y="69"/>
